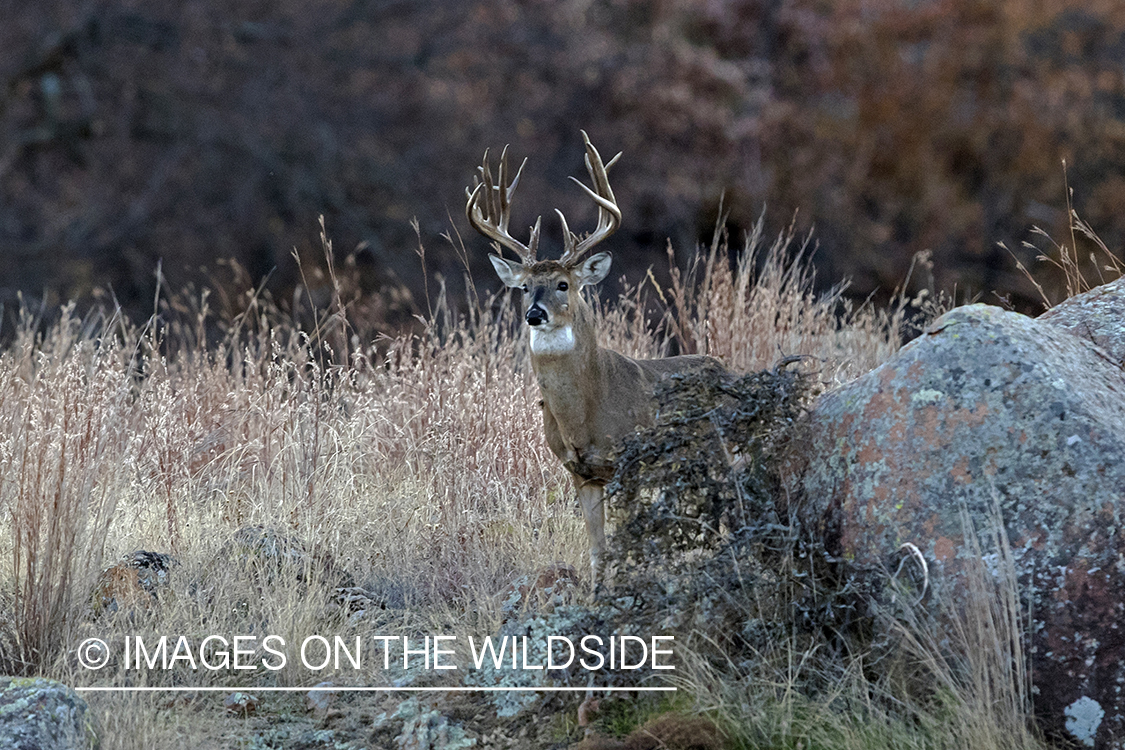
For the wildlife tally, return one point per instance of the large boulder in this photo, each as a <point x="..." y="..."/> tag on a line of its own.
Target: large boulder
<point x="38" y="713"/>
<point x="988" y="409"/>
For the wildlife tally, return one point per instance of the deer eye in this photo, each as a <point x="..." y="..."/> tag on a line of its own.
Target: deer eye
<point x="563" y="286"/>
<point x="524" y="288"/>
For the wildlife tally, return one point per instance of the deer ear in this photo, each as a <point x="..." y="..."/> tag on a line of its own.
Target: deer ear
<point x="509" y="271"/>
<point x="594" y="269"/>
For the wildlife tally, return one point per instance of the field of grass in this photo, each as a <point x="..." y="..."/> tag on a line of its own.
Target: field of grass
<point x="413" y="468"/>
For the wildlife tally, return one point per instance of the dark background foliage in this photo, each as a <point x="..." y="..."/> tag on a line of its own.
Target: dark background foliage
<point x="192" y="131"/>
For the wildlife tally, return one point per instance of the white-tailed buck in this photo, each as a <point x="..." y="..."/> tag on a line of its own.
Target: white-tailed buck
<point x="592" y="397"/>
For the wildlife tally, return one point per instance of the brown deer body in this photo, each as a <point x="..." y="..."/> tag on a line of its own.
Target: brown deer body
<point x="592" y="397"/>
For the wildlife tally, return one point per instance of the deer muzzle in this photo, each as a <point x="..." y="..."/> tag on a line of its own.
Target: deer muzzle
<point x="536" y="315"/>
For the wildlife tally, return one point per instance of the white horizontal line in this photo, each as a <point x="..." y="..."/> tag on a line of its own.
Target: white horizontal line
<point x="344" y="689"/>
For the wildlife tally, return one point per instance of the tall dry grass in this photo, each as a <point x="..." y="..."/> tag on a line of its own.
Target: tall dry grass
<point x="69" y="438"/>
<point x="760" y="304"/>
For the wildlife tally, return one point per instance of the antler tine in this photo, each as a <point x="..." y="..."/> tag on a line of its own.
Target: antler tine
<point x="488" y="207"/>
<point x="609" y="215"/>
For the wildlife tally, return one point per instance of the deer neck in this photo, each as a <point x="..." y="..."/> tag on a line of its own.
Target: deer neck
<point x="565" y="360"/>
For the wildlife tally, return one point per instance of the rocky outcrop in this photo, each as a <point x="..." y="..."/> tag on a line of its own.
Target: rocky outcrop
<point x="990" y="409"/>
<point x="41" y="713"/>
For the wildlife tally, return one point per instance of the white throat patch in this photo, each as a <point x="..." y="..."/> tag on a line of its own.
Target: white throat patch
<point x="552" y="341"/>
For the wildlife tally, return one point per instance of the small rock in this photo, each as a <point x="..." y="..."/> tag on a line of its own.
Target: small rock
<point x="241" y="704"/>
<point x="132" y="583"/>
<point x="42" y="713"/>
<point x="320" y="700"/>
<point x="428" y="730"/>
<point x="551" y="586"/>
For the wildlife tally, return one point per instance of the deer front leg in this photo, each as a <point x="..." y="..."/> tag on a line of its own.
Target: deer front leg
<point x="591" y="498"/>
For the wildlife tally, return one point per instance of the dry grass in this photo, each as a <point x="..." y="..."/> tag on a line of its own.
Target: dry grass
<point x="1079" y="273"/>
<point x="417" y="465"/>
<point x="976" y="669"/>
<point x="946" y="677"/>
<point x="756" y="306"/>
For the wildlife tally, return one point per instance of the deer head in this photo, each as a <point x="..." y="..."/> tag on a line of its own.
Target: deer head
<point x="553" y="304"/>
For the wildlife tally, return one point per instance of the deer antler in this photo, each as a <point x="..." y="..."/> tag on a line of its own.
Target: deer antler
<point x="609" y="215"/>
<point x="489" y="207"/>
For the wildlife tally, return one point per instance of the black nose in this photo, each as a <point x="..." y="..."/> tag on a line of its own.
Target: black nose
<point x="536" y="315"/>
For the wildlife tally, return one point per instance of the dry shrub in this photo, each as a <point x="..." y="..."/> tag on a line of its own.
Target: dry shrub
<point x="675" y="732"/>
<point x="707" y="464"/>
<point x="709" y="547"/>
